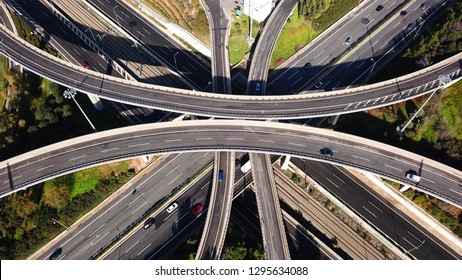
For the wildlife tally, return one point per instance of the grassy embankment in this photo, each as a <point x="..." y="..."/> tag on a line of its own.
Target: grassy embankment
<point x="188" y="14"/>
<point x="302" y="27"/>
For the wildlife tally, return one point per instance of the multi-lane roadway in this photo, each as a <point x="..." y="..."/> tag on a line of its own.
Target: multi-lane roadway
<point x="68" y="156"/>
<point x="94" y="232"/>
<point x="335" y="102"/>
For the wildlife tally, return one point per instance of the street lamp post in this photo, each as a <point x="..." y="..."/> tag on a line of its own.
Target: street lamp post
<point x="415" y="247"/>
<point x="372" y="69"/>
<point x="58" y="222"/>
<point x="114" y="9"/>
<point x="91" y="32"/>
<point x="174" y="59"/>
<point x="443" y="79"/>
<point x="69" y="94"/>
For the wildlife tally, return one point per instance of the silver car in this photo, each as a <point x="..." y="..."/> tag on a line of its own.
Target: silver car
<point x="413" y="177"/>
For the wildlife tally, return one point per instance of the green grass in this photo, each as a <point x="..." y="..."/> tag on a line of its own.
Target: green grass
<point x="295" y="34"/>
<point x="85" y="181"/>
<point x="451" y="110"/>
<point x="238" y="46"/>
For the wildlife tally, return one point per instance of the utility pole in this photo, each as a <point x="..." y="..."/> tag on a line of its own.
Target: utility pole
<point x="69" y="94"/>
<point x="443" y="80"/>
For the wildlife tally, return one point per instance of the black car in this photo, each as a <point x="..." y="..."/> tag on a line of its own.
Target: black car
<point x="56" y="253"/>
<point x="307" y="65"/>
<point x="403" y="13"/>
<point x="379" y="8"/>
<point x="149" y="222"/>
<point x="326" y="152"/>
<point x="365" y="21"/>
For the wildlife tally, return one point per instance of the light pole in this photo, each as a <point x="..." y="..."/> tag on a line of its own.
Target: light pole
<point x="116" y="14"/>
<point x="415" y="247"/>
<point x="58" y="222"/>
<point x="69" y="94"/>
<point x="372" y="69"/>
<point x="91" y="32"/>
<point x="443" y="79"/>
<point x="174" y="59"/>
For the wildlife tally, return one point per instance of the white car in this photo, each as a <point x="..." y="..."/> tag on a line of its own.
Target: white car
<point x="412" y="176"/>
<point x="172" y="207"/>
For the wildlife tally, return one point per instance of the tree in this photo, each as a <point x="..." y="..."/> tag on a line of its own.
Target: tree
<point x="237" y="252"/>
<point x="67" y="110"/>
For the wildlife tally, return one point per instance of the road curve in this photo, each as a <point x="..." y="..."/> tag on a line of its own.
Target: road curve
<point x="228" y="106"/>
<point x="219" y="135"/>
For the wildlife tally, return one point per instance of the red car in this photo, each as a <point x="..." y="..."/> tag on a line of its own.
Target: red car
<point x="197" y="209"/>
<point x="85" y="64"/>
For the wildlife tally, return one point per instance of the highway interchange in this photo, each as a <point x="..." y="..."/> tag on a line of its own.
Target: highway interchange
<point x="244" y="140"/>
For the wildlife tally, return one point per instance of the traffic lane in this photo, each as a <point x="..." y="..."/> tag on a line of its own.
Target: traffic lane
<point x="218" y="207"/>
<point x="353" y="151"/>
<point x="151" y="242"/>
<point x="245" y="215"/>
<point x="403" y="230"/>
<point x="331" y="44"/>
<point x="258" y="72"/>
<point x="4" y="17"/>
<point x="160" y="97"/>
<point x="374" y="52"/>
<point x="177" y="57"/>
<point x="326" y="57"/>
<point x="66" y="38"/>
<point x="267" y="207"/>
<point x="130" y="204"/>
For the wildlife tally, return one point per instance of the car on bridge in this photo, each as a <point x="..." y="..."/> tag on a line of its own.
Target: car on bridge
<point x="412" y="175"/>
<point x="220" y="175"/>
<point x="258" y="87"/>
<point x="85" y="64"/>
<point x="326" y="152"/>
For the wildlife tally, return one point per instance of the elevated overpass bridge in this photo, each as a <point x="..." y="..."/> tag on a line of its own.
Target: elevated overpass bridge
<point x="82" y="152"/>
<point x="314" y="104"/>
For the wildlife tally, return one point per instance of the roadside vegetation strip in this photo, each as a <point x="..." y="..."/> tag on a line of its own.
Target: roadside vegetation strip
<point x="301" y="28"/>
<point x="154" y="209"/>
<point x="189" y="14"/>
<point x="238" y="47"/>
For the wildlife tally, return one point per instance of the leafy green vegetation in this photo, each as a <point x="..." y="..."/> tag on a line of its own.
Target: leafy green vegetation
<point x="430" y="205"/>
<point x="331" y="12"/>
<point x="238" y="246"/>
<point x="296" y="33"/>
<point x="309" y="19"/>
<point x="443" y="39"/>
<point x="188" y="14"/>
<point x="238" y="45"/>
<point x="26" y="220"/>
